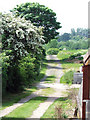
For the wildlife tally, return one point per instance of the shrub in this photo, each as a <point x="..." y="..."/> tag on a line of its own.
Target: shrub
<point x="27" y="70"/>
<point x="67" y="77"/>
<point x="4" y="63"/>
<point x="52" y="51"/>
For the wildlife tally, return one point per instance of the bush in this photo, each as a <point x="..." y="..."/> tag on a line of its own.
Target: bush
<point x="52" y="51"/>
<point x="52" y="44"/>
<point x="4" y="64"/>
<point x="27" y="70"/>
<point x="67" y="77"/>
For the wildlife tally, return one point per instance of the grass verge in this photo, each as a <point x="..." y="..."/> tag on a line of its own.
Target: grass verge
<point x="67" y="77"/>
<point x="50" y="79"/>
<point x="10" y="98"/>
<point x="26" y="109"/>
<point x="51" y="112"/>
<point x="63" y="107"/>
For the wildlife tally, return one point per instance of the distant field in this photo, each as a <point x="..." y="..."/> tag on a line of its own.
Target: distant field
<point x="65" y="54"/>
<point x="68" y="61"/>
<point x="71" y="61"/>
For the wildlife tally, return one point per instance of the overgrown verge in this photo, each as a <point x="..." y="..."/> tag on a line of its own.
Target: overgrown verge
<point x="67" y="77"/>
<point x="63" y="107"/>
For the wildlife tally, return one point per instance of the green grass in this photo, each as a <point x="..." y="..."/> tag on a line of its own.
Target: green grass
<point x="27" y="108"/>
<point x="64" y="102"/>
<point x="67" y="77"/>
<point x="9" y="99"/>
<point x="50" y="79"/>
<point x="70" y="66"/>
<point x="65" y="54"/>
<point x="67" y="104"/>
<point x="69" y="63"/>
<point x="47" y="91"/>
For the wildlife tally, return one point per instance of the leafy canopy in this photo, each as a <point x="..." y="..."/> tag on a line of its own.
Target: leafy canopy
<point x="20" y="36"/>
<point x="22" y="52"/>
<point x="39" y="15"/>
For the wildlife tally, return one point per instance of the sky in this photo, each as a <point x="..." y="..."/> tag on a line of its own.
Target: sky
<point x="70" y="13"/>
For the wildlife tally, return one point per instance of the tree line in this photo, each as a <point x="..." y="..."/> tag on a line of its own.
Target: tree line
<point x="75" y="40"/>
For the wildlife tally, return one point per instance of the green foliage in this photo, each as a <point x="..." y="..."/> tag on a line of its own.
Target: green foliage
<point x="82" y="32"/>
<point x="52" y="51"/>
<point x="74" y="40"/>
<point x="67" y="77"/>
<point x="65" y="37"/>
<point x="62" y="55"/>
<point x="9" y="98"/>
<point x="52" y="44"/>
<point x="4" y="63"/>
<point x="27" y="70"/>
<point x="73" y="32"/>
<point x="19" y="38"/>
<point x="71" y="63"/>
<point x="70" y="54"/>
<point x="77" y="55"/>
<point x="39" y="15"/>
<point x="72" y="44"/>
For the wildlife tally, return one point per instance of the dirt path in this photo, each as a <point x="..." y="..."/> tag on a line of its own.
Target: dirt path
<point x="53" y="68"/>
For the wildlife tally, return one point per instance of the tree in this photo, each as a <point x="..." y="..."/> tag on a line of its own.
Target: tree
<point x="73" y="33"/>
<point x="52" y="44"/>
<point x="19" y="38"/>
<point x="65" y="37"/>
<point x="82" y="32"/>
<point x="39" y="15"/>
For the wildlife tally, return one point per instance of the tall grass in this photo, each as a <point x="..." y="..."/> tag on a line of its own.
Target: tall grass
<point x="67" y="77"/>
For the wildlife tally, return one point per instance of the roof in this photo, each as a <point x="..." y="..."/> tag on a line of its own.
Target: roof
<point x="86" y="59"/>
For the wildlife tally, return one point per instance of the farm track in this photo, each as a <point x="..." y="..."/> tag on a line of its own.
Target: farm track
<point x="53" y="68"/>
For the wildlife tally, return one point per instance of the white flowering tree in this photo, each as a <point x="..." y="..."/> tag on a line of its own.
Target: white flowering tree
<point x="20" y="36"/>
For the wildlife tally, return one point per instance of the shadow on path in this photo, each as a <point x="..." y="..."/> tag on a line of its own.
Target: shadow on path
<point x="54" y="67"/>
